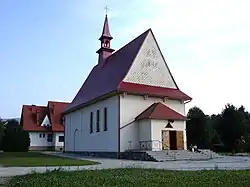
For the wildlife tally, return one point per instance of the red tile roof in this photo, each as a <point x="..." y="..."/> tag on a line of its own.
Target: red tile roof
<point x="160" y="111"/>
<point x="170" y="93"/>
<point x="32" y="116"/>
<point x="107" y="77"/>
<point x="55" y="112"/>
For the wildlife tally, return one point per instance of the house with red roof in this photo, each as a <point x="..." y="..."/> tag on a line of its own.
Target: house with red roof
<point x="129" y="101"/>
<point x="45" y="125"/>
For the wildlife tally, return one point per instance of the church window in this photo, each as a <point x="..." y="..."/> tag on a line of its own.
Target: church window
<point x="105" y="119"/>
<point x="98" y="121"/>
<point x="91" y="122"/>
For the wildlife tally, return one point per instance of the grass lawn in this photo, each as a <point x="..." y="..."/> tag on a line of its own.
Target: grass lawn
<point x="37" y="159"/>
<point x="133" y="178"/>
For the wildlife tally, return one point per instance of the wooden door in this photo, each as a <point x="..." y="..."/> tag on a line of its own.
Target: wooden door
<point x="165" y="140"/>
<point x="180" y="139"/>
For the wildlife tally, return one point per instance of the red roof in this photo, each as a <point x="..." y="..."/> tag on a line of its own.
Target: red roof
<point x="108" y="77"/>
<point x="160" y="111"/>
<point x="32" y="116"/>
<point x="55" y="113"/>
<point x="105" y="78"/>
<point x="170" y="93"/>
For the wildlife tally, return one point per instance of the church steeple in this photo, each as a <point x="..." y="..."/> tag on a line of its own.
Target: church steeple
<point x="105" y="51"/>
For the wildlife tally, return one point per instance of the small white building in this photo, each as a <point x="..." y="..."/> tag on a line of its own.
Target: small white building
<point x="130" y="101"/>
<point x="45" y="125"/>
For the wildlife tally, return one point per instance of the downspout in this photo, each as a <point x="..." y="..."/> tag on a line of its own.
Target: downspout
<point x="119" y="133"/>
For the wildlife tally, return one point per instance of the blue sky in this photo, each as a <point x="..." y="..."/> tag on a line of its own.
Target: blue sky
<point x="47" y="48"/>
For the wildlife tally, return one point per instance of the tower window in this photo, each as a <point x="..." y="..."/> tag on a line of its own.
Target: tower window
<point x="106" y="44"/>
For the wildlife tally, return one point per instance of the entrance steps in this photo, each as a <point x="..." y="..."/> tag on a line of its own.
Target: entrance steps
<point x="174" y="155"/>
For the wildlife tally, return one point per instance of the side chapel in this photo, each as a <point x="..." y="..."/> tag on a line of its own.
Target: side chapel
<point x="129" y="101"/>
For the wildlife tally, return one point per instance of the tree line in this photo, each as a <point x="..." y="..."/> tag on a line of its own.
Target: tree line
<point x="12" y="137"/>
<point x="228" y="131"/>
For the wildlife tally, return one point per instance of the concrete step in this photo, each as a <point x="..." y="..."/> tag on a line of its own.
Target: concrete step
<point x="167" y="155"/>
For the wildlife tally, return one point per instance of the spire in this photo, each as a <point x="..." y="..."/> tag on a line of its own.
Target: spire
<point x="105" y="31"/>
<point x="105" y="51"/>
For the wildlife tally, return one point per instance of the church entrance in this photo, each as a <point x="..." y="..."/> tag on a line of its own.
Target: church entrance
<point x="172" y="140"/>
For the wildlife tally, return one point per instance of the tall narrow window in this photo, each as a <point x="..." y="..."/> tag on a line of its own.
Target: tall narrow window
<point x="91" y="122"/>
<point x="105" y="120"/>
<point x="97" y="121"/>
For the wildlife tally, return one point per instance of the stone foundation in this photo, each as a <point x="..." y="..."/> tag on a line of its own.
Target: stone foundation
<point x="41" y="148"/>
<point x="46" y="148"/>
<point x="96" y="154"/>
<point x="123" y="155"/>
<point x="58" y="148"/>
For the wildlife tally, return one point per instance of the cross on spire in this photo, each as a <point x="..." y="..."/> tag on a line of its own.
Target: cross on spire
<point x="106" y="9"/>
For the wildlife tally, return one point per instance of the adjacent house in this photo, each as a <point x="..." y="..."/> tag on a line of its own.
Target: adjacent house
<point x="45" y="125"/>
<point x="129" y="101"/>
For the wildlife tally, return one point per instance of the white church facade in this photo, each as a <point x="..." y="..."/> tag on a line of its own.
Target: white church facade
<point x="130" y="101"/>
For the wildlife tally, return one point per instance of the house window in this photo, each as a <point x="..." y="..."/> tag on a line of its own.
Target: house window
<point x="61" y="138"/>
<point x="49" y="138"/>
<point x="91" y="122"/>
<point x="105" y="120"/>
<point x="98" y="121"/>
<point x="42" y="135"/>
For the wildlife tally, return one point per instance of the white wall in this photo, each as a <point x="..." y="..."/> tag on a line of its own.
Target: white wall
<point x="35" y="139"/>
<point x="130" y="107"/>
<point x="158" y="125"/>
<point x="81" y="139"/>
<point x="56" y="139"/>
<point x="145" y="133"/>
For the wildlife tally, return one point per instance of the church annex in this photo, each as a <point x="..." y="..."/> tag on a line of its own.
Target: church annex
<point x="129" y="101"/>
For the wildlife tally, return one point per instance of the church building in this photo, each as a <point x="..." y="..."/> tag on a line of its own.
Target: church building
<point x="129" y="101"/>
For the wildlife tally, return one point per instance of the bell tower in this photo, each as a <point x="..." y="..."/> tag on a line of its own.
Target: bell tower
<point x="105" y="51"/>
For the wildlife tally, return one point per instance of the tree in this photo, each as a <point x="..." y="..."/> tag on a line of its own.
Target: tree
<point x="15" y="138"/>
<point x="231" y="125"/>
<point x="1" y="131"/>
<point x="196" y="125"/>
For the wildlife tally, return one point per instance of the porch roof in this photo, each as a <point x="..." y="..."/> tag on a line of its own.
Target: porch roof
<point x="160" y="111"/>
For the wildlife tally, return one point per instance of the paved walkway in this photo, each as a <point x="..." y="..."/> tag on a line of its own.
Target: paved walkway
<point x="225" y="163"/>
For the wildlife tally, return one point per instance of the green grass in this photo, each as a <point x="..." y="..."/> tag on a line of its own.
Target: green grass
<point x="37" y="159"/>
<point x="133" y="178"/>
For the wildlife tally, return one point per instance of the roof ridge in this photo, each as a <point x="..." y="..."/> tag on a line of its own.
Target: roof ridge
<point x="154" y="105"/>
<point x="59" y="102"/>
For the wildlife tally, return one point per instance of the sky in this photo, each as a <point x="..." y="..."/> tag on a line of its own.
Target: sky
<point x="47" y="48"/>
